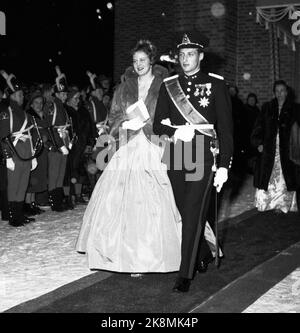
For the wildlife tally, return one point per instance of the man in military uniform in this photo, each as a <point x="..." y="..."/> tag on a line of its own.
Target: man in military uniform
<point x="58" y="121"/>
<point x="190" y="102"/>
<point x="95" y="106"/>
<point x="18" y="150"/>
<point x="3" y="169"/>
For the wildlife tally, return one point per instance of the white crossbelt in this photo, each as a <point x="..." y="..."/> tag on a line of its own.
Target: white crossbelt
<point x="20" y="134"/>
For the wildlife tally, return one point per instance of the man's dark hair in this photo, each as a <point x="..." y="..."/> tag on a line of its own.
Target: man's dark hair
<point x="254" y="96"/>
<point x="280" y="83"/>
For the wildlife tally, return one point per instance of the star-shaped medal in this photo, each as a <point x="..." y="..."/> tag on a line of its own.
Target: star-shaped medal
<point x="204" y="102"/>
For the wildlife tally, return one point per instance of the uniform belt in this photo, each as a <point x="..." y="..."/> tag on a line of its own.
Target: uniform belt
<point x="21" y="136"/>
<point x="62" y="130"/>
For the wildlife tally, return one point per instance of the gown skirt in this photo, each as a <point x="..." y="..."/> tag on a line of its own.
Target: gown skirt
<point x="131" y="223"/>
<point x="277" y="196"/>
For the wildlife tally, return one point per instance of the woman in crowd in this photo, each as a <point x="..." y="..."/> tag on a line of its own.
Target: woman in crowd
<point x="131" y="223"/>
<point x="250" y="116"/>
<point x="38" y="181"/>
<point x="81" y="137"/>
<point x="275" y="174"/>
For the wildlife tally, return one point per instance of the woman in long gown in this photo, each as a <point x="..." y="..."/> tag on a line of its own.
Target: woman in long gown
<point x="131" y="223"/>
<point x="275" y="174"/>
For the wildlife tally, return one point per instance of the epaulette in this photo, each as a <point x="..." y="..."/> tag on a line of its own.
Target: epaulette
<point x="171" y="78"/>
<point x="216" y="76"/>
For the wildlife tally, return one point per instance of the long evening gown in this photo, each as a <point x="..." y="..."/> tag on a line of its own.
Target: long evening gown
<point x="277" y="196"/>
<point x="131" y="223"/>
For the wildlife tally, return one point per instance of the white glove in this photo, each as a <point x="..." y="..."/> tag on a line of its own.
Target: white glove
<point x="10" y="164"/>
<point x="64" y="150"/>
<point x="34" y="164"/>
<point x="184" y="133"/>
<point x="133" y="124"/>
<point x="220" y="178"/>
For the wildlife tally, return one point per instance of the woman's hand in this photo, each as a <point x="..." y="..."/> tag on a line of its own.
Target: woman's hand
<point x="133" y="124"/>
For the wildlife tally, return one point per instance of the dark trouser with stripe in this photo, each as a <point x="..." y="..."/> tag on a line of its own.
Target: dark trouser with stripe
<point x="17" y="180"/>
<point x="189" y="197"/>
<point x="56" y="170"/>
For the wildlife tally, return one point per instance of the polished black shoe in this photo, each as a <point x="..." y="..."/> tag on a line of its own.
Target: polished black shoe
<point x="182" y="285"/>
<point x="36" y="208"/>
<point x="202" y="267"/>
<point x="29" y="210"/>
<point x="203" y="264"/>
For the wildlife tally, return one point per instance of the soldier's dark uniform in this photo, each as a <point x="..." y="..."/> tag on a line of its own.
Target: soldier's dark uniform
<point x="98" y="113"/>
<point x="210" y="98"/>
<point x="3" y="176"/>
<point x="15" y="127"/>
<point x="58" y="121"/>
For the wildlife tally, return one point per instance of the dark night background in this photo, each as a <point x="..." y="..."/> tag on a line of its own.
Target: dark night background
<point x="37" y="31"/>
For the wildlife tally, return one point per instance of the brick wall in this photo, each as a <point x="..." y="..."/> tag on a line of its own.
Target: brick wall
<point x="136" y="19"/>
<point x="253" y="53"/>
<point x="238" y="44"/>
<point x="287" y="64"/>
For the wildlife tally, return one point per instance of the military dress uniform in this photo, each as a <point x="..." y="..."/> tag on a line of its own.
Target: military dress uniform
<point x="209" y="100"/>
<point x="58" y="121"/>
<point x="96" y="108"/>
<point x="17" y="143"/>
<point x="3" y="176"/>
<point x="98" y="113"/>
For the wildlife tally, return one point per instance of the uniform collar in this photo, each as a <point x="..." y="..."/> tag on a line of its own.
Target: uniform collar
<point x="192" y="77"/>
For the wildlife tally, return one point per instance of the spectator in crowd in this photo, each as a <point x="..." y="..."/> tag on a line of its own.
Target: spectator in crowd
<point x="38" y="181"/>
<point x="275" y="174"/>
<point x="81" y="137"/>
<point x="251" y="112"/>
<point x="238" y="111"/>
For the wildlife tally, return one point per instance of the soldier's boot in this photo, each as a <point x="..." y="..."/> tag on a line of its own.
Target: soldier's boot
<point x="28" y="210"/>
<point x="22" y="216"/>
<point x="66" y="201"/>
<point x="55" y="201"/>
<point x="36" y="208"/>
<point x="13" y="218"/>
<point x="69" y="202"/>
<point x="4" y="206"/>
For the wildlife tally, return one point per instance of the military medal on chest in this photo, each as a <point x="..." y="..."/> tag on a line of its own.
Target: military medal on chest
<point x="204" y="91"/>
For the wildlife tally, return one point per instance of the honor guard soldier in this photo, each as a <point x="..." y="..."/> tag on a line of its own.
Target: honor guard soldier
<point x="95" y="106"/>
<point x="189" y="102"/>
<point x="58" y="121"/>
<point x="18" y="149"/>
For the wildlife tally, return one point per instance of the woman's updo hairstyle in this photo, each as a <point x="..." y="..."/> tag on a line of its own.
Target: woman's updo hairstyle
<point x="147" y="47"/>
